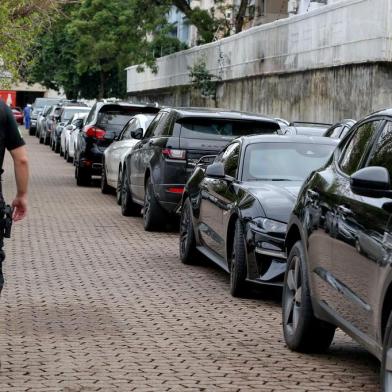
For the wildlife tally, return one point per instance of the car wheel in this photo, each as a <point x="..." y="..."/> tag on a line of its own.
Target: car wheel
<point x="105" y="189"/>
<point x="31" y="131"/>
<point x="83" y="178"/>
<point x="41" y="140"/>
<point x="386" y="361"/>
<point x="303" y="332"/>
<point x="128" y="207"/>
<point x="153" y="214"/>
<point x="188" y="252"/>
<point x="46" y="140"/>
<point x="238" y="262"/>
<point x="58" y="149"/>
<point x="68" y="158"/>
<point x="119" y="188"/>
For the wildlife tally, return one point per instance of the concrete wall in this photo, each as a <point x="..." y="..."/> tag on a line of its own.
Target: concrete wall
<point x="325" y="65"/>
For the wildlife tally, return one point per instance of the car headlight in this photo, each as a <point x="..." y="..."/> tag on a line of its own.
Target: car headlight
<point x="269" y="226"/>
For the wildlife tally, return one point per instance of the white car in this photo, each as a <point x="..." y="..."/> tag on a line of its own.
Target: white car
<point x="71" y="141"/>
<point x="115" y="154"/>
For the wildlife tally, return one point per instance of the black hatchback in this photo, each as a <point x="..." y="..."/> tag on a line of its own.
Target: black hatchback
<point x="158" y="167"/>
<point x="339" y="246"/>
<point x="103" y="124"/>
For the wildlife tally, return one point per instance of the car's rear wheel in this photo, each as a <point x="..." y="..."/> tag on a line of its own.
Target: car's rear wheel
<point x="153" y="215"/>
<point x="188" y="252"/>
<point x="83" y="178"/>
<point x="105" y="188"/>
<point x="119" y="188"/>
<point x="303" y="332"/>
<point x="128" y="206"/>
<point x="386" y="362"/>
<point x="238" y="262"/>
<point x="58" y="149"/>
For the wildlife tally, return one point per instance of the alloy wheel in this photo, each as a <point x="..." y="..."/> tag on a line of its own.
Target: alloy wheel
<point x="293" y="294"/>
<point x="184" y="229"/>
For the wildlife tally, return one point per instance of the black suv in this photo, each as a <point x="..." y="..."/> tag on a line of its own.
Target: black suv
<point x="103" y="124"/>
<point x="158" y="167"/>
<point x="339" y="246"/>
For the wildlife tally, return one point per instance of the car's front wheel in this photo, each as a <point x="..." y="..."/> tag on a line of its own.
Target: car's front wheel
<point x="302" y="331"/>
<point x="153" y="215"/>
<point x="188" y="252"/>
<point x="386" y="362"/>
<point x="238" y="262"/>
<point x="128" y="207"/>
<point x="105" y="189"/>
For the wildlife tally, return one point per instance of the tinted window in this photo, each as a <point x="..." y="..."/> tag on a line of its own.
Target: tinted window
<point x="218" y="128"/>
<point x="229" y="157"/>
<point x="153" y="125"/>
<point x="382" y="155"/>
<point x="274" y="161"/>
<point x="334" y="132"/>
<point x="113" y="121"/>
<point x="356" y="146"/>
<point x="68" y="113"/>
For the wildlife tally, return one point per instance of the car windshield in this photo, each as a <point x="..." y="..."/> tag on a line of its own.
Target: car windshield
<point x="284" y="161"/>
<point x="113" y="121"/>
<point x="68" y="113"/>
<point x="225" y="128"/>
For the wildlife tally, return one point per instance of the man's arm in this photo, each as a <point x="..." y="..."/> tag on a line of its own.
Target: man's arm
<point x="21" y="166"/>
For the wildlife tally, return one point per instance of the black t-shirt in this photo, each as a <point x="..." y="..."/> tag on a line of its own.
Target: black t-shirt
<point x="10" y="137"/>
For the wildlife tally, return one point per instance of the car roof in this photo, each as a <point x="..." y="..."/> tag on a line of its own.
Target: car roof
<point x="384" y="112"/>
<point x="76" y="107"/>
<point x="293" y="139"/>
<point x="192" y="112"/>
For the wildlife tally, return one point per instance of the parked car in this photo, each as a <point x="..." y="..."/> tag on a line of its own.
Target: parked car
<point x="65" y="114"/>
<point x="114" y="155"/>
<point x="235" y="211"/>
<point x="305" y="129"/>
<point x="37" y="108"/>
<point x="103" y="124"/>
<point x="339" y="243"/>
<point x="18" y="115"/>
<point x="41" y="121"/>
<point x="68" y="136"/>
<point x="49" y="123"/>
<point x="340" y="129"/>
<point x="158" y="167"/>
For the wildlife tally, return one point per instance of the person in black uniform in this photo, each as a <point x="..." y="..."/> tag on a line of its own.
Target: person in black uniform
<point x="11" y="140"/>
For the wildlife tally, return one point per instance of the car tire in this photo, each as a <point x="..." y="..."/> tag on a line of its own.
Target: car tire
<point x="31" y="131"/>
<point x="83" y="178"/>
<point x="238" y="262"/>
<point x="41" y="140"/>
<point x="105" y="188"/>
<point x="303" y="332"/>
<point x="119" y="188"/>
<point x="58" y="149"/>
<point x="153" y="214"/>
<point x="67" y="157"/>
<point x="188" y="253"/>
<point x="46" y="141"/>
<point x="128" y="206"/>
<point x="386" y="374"/>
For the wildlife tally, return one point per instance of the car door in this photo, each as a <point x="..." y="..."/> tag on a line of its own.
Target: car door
<point x="360" y="226"/>
<point x="218" y="195"/>
<point x="139" y="159"/>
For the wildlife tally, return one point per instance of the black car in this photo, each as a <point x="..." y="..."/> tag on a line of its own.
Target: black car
<point x="340" y="129"/>
<point x="235" y="211"/>
<point x="103" y="124"/>
<point x="339" y="243"/>
<point x="158" y="167"/>
<point x="37" y="108"/>
<point x="64" y="116"/>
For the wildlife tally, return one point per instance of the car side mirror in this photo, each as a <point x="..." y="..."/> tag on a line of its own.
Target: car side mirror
<point x="371" y="181"/>
<point x="215" y="170"/>
<point x="137" y="133"/>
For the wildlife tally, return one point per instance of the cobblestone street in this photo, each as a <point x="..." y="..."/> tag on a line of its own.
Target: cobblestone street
<point x="92" y="302"/>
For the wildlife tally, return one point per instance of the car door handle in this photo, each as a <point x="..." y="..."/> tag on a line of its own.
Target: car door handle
<point x="344" y="210"/>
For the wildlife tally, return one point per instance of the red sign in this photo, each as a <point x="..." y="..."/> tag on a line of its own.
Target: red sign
<point x="8" y="96"/>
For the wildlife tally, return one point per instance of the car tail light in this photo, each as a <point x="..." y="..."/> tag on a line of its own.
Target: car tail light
<point x="176" y="189"/>
<point x="98" y="133"/>
<point x="174" y="154"/>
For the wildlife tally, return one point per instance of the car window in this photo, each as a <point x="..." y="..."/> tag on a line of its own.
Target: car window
<point x="152" y="126"/>
<point x="132" y="126"/>
<point x="357" y="146"/>
<point x="161" y="126"/>
<point x="91" y="115"/>
<point x="335" y="132"/>
<point x="382" y="152"/>
<point x="229" y="157"/>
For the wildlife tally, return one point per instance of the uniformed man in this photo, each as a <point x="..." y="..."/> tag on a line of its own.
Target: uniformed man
<point x="11" y="140"/>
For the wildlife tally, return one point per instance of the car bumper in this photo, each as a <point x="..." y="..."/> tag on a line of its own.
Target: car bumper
<point x="169" y="195"/>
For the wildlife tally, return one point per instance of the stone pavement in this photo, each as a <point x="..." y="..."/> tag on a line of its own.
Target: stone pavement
<point x="94" y="303"/>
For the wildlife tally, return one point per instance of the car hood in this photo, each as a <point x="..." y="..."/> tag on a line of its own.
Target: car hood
<point x="276" y="198"/>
